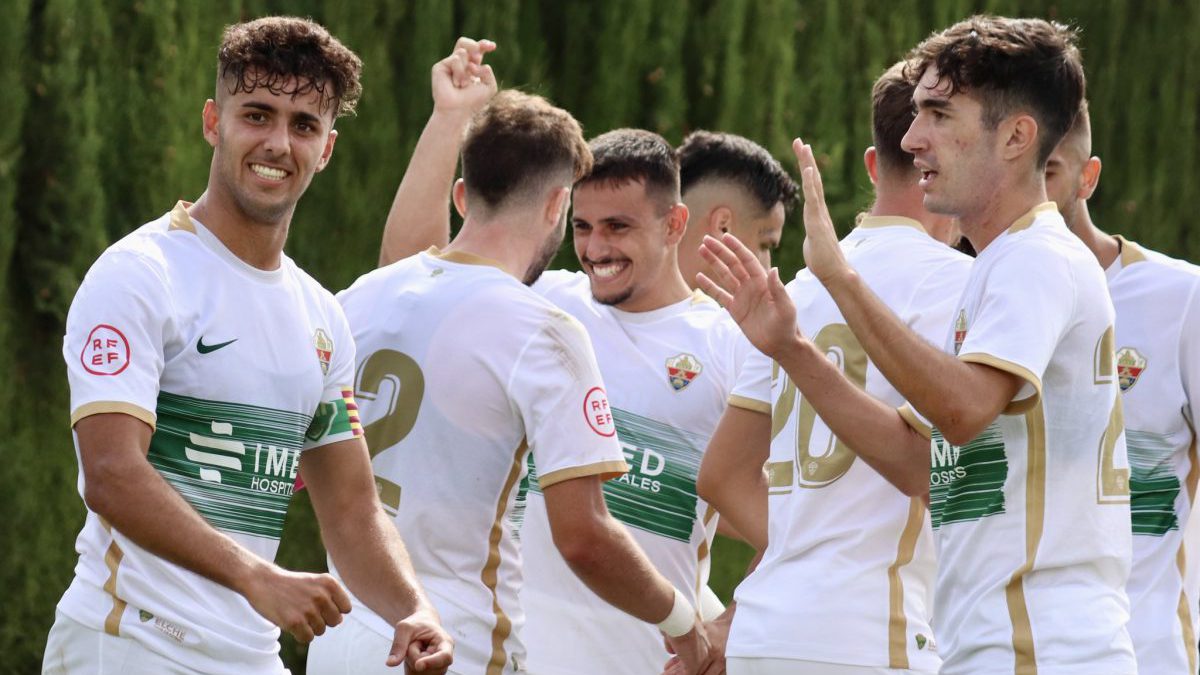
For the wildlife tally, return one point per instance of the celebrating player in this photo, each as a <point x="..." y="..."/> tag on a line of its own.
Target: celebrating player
<point x="494" y="374"/>
<point x="1157" y="300"/>
<point x="206" y="371"/>
<point x="855" y="553"/>
<point x="1027" y="472"/>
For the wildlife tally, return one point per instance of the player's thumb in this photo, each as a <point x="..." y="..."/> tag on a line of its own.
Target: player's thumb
<point x="488" y="76"/>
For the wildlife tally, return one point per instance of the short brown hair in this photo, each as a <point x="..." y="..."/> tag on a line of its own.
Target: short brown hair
<point x="290" y="56"/>
<point x="707" y="155"/>
<point x="519" y="142"/>
<point x="635" y="155"/>
<point x="891" y="116"/>
<point x="1010" y="65"/>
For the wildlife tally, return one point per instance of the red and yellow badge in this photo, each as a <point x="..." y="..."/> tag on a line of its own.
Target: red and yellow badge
<point x="1130" y="364"/>
<point x="324" y="349"/>
<point x="682" y="369"/>
<point x="960" y="330"/>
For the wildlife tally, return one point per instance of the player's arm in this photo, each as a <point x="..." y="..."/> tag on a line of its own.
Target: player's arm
<point x="369" y="555"/>
<point x="960" y="398"/>
<point x="123" y="489"/>
<point x="731" y="476"/>
<point x="420" y="213"/>
<point x="758" y="301"/>
<point x="606" y="558"/>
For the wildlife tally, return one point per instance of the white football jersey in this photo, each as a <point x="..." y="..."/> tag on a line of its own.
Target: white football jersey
<point x="670" y="372"/>
<point x="463" y="372"/>
<point x="1158" y="367"/>
<point x="238" y="370"/>
<point x="1031" y="517"/>
<point x="847" y="577"/>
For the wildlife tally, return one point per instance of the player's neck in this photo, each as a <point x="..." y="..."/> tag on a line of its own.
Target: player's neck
<point x="257" y="244"/>
<point x="1104" y="246"/>
<point x="505" y="243"/>
<point x="899" y="202"/>
<point x="1002" y="207"/>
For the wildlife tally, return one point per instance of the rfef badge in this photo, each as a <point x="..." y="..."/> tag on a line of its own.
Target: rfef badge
<point x="682" y="369"/>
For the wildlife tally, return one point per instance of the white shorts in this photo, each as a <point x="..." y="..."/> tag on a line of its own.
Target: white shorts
<point x="74" y="649"/>
<point x="749" y="666"/>
<point x="350" y="648"/>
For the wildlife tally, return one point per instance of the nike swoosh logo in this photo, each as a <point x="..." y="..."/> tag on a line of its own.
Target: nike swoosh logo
<point x="205" y="349"/>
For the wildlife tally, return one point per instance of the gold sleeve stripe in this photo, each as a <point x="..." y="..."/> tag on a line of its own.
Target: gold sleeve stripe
<point x="910" y="416"/>
<point x="1014" y="407"/>
<point x="609" y="469"/>
<point x="98" y="407"/>
<point x="751" y="404"/>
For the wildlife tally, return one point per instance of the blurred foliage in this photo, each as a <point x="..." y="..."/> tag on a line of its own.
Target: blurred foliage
<point x="102" y="103"/>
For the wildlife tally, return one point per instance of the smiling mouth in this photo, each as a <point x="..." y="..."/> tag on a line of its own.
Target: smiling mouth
<point x="608" y="270"/>
<point x="268" y="173"/>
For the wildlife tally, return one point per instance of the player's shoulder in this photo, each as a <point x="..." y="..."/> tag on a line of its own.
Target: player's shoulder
<point x="562" y="284"/>
<point x="145" y="255"/>
<point x="1139" y="261"/>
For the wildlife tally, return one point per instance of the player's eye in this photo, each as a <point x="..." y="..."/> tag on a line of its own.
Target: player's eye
<point x="256" y="117"/>
<point x="581" y="225"/>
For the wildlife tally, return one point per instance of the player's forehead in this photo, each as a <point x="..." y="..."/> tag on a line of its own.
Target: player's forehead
<point x="601" y="200"/>
<point x="932" y="87"/>
<point x="278" y="92"/>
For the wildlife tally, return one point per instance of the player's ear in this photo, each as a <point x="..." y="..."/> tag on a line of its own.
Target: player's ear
<point x="1090" y="178"/>
<point x="677" y="219"/>
<point x="1019" y="135"/>
<point x="720" y="221"/>
<point x="211" y="116"/>
<point x="556" y="206"/>
<point x="871" y="161"/>
<point x="459" y="196"/>
<point x="327" y="152"/>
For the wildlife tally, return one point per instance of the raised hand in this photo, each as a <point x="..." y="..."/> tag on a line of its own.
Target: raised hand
<point x="461" y="82"/>
<point x="822" y="252"/>
<point x="753" y="296"/>
<point x="421" y="644"/>
<point x="303" y="604"/>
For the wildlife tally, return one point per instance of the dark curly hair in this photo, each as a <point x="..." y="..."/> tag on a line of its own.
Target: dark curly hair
<point x="1010" y="65"/>
<point x="293" y="57"/>
<point x="708" y="155"/>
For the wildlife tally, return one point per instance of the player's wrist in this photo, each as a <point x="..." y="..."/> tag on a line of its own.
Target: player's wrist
<point x="450" y="117"/>
<point x="681" y="619"/>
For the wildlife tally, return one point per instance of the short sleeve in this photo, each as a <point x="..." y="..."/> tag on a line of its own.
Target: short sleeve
<point x="116" y="329"/>
<point x="1021" y="316"/>
<point x="557" y="389"/>
<point x="752" y="387"/>
<point x="336" y="418"/>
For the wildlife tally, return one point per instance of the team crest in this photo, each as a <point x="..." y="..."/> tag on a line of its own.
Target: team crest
<point x="960" y="330"/>
<point x="1130" y="364"/>
<point x="682" y="369"/>
<point x="324" y="349"/>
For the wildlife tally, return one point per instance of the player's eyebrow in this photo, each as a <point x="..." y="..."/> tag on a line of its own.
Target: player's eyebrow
<point x="932" y="103"/>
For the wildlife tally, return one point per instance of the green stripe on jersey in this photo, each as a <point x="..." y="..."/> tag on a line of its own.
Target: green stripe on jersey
<point x="1153" y="485"/>
<point x="967" y="483"/>
<point x="658" y="494"/>
<point x="234" y="463"/>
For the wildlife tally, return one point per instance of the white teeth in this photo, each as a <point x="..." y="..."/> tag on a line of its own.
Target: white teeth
<point x="268" y="172"/>
<point x="607" y="271"/>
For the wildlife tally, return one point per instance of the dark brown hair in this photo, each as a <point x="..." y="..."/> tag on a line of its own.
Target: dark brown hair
<point x="291" y="57"/>
<point x="518" y="143"/>
<point x="705" y="155"/>
<point x="891" y="116"/>
<point x="1010" y="65"/>
<point x="635" y="155"/>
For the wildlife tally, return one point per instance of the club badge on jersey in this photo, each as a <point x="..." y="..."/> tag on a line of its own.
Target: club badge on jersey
<point x="682" y="369"/>
<point x="324" y="349"/>
<point x="960" y="330"/>
<point x="1130" y="364"/>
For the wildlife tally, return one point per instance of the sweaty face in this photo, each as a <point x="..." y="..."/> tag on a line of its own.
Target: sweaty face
<point x="620" y="236"/>
<point x="951" y="147"/>
<point x="267" y="146"/>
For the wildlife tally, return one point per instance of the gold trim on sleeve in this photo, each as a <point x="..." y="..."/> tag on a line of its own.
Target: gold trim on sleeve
<point x="1035" y="521"/>
<point x="98" y="407"/>
<point x="608" y="470"/>
<point x="910" y="416"/>
<point x="490" y="576"/>
<point x="897" y="620"/>
<point x="751" y="404"/>
<point x="1015" y="407"/>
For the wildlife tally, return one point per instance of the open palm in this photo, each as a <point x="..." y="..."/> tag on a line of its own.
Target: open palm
<point x="754" y="296"/>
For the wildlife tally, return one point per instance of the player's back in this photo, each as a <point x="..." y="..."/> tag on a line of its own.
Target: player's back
<point x="856" y="553"/>
<point x="458" y="363"/>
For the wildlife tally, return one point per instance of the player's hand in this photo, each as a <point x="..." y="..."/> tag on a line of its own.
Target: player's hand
<point x="754" y="297"/>
<point x="300" y="603"/>
<point x="421" y="644"/>
<point x="822" y="252"/>
<point x="691" y="650"/>
<point x="717" y="631"/>
<point x="461" y="83"/>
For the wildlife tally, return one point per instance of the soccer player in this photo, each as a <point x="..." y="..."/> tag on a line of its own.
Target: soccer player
<point x="206" y="372"/>
<point x="855" y="553"/>
<point x="495" y="374"/>
<point x="1026" y="472"/>
<point x="1157" y="300"/>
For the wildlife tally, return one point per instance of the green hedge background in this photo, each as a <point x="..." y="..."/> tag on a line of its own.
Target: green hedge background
<point x="101" y="132"/>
